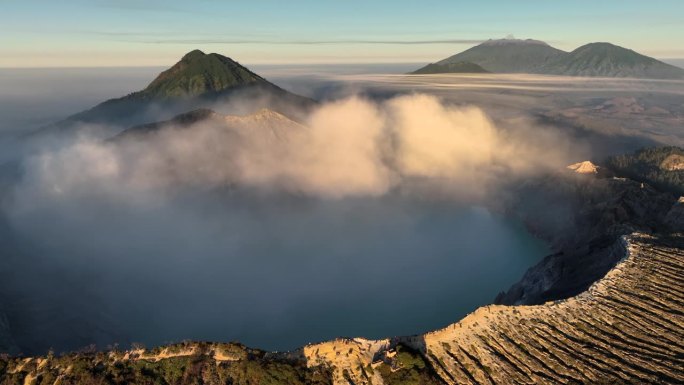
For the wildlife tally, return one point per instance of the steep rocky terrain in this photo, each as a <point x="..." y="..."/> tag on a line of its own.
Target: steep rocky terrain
<point x="627" y="328"/>
<point x="582" y="216"/>
<point x="606" y="308"/>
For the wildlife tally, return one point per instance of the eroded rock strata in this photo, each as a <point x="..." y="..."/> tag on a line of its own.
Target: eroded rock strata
<point x="626" y="328"/>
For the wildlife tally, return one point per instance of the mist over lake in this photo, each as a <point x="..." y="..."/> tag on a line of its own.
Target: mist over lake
<point x="271" y="272"/>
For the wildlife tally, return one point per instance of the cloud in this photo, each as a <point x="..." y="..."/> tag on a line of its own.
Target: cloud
<point x="438" y="141"/>
<point x="350" y="147"/>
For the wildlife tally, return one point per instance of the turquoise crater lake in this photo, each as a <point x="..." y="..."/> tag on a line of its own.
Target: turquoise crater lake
<point x="279" y="273"/>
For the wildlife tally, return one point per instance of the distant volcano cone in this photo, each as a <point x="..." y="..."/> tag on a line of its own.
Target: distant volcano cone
<point x="198" y="73"/>
<point x="536" y="57"/>
<point x="605" y="59"/>
<point x="197" y="81"/>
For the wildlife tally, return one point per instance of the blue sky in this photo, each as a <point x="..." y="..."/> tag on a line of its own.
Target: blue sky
<point x="36" y="33"/>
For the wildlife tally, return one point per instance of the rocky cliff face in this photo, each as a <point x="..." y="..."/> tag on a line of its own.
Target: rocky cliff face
<point x="582" y="216"/>
<point x="625" y="329"/>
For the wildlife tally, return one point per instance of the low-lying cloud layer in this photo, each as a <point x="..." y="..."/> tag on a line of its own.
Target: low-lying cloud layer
<point x="351" y="147"/>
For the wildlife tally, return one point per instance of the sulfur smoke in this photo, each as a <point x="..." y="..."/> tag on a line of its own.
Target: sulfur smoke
<point x="346" y="148"/>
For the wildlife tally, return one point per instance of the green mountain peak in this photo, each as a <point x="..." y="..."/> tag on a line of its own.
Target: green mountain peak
<point x="199" y="73"/>
<point x="507" y="55"/>
<point x="194" y="54"/>
<point x="196" y="81"/>
<point x="610" y="60"/>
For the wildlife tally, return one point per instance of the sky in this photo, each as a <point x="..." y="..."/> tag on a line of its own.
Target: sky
<point x="97" y="33"/>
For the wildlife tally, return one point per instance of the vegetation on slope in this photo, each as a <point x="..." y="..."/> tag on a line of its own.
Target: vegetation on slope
<point x="508" y="55"/>
<point x="605" y="59"/>
<point x="408" y="368"/>
<point x="174" y="365"/>
<point x="662" y="167"/>
<point x="198" y="73"/>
